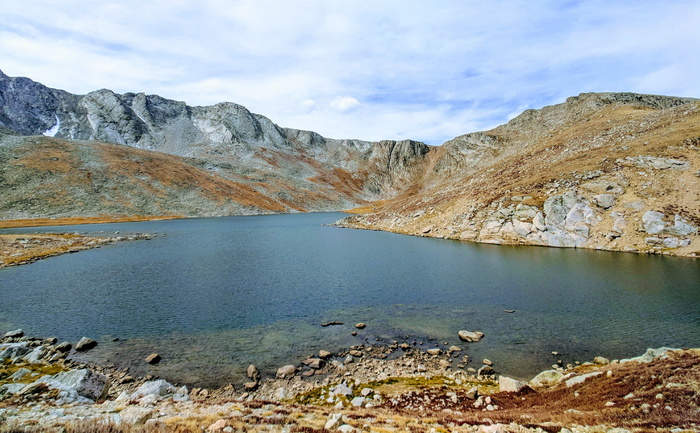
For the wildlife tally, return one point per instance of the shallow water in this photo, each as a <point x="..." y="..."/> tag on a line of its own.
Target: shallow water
<point x="212" y="295"/>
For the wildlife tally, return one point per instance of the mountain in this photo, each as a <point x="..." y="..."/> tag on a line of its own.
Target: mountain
<point x="173" y="158"/>
<point x="609" y="171"/>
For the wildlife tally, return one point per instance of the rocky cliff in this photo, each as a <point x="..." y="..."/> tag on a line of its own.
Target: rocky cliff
<point x="611" y="171"/>
<point x="280" y="169"/>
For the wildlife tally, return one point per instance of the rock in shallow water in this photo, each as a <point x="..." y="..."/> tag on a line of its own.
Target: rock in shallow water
<point x="153" y="358"/>
<point x="470" y="336"/>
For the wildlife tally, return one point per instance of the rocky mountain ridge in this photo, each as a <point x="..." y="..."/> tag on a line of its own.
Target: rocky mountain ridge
<point x="296" y="170"/>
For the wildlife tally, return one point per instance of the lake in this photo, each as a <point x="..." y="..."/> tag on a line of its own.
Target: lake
<point x="212" y="295"/>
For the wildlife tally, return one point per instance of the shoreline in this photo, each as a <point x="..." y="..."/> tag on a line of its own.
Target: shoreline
<point x="362" y="383"/>
<point x="22" y="249"/>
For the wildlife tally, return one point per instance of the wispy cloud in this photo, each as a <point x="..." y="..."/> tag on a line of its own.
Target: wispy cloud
<point x="390" y="69"/>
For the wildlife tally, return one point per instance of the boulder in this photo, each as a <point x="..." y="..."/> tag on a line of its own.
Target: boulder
<point x="11" y="388"/>
<point x="250" y="386"/>
<point x="83" y="382"/>
<point x="324" y="354"/>
<point x="315" y="363"/>
<point x="507" y="384"/>
<point x="334" y="421"/>
<point x="136" y="415"/>
<point x="650" y="355"/>
<point x="342" y="389"/>
<point x="36" y="355"/>
<point x="64" y="347"/>
<point x="434" y="351"/>
<point x="582" y="378"/>
<point x="17" y="333"/>
<point x="286" y="372"/>
<point x="653" y="222"/>
<point x="486" y="370"/>
<point x="13" y="350"/>
<point x="157" y="388"/>
<point x="487" y="362"/>
<point x="473" y="393"/>
<point x="252" y="372"/>
<point x="153" y="358"/>
<point x="85" y="344"/>
<point x="218" y="425"/>
<point x="19" y="374"/>
<point x="358" y="402"/>
<point x="546" y="378"/>
<point x="470" y="336"/>
<point x="360" y="325"/>
<point x="606" y="201"/>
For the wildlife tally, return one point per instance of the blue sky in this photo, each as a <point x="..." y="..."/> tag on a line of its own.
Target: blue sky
<point x="356" y="69"/>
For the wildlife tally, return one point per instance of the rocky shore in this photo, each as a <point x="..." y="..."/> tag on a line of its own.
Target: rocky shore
<point x="364" y="388"/>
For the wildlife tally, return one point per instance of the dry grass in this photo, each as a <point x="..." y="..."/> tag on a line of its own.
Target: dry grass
<point x="18" y="249"/>
<point x="69" y="221"/>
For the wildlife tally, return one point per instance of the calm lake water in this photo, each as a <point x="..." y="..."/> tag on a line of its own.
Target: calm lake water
<point x="214" y="294"/>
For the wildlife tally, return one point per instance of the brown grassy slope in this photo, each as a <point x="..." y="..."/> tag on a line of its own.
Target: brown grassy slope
<point x="44" y="176"/>
<point x="537" y="160"/>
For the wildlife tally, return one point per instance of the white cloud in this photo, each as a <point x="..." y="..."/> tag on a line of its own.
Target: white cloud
<point x="344" y="104"/>
<point x="432" y="69"/>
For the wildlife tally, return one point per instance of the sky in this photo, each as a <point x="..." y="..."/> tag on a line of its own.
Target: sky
<point x="424" y="70"/>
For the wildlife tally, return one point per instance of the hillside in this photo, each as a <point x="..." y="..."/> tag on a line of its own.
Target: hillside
<point x="611" y="171"/>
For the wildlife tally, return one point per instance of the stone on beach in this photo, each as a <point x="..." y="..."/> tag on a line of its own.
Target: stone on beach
<point x="360" y="325"/>
<point x="17" y="333"/>
<point x="253" y="373"/>
<point x="286" y="372"/>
